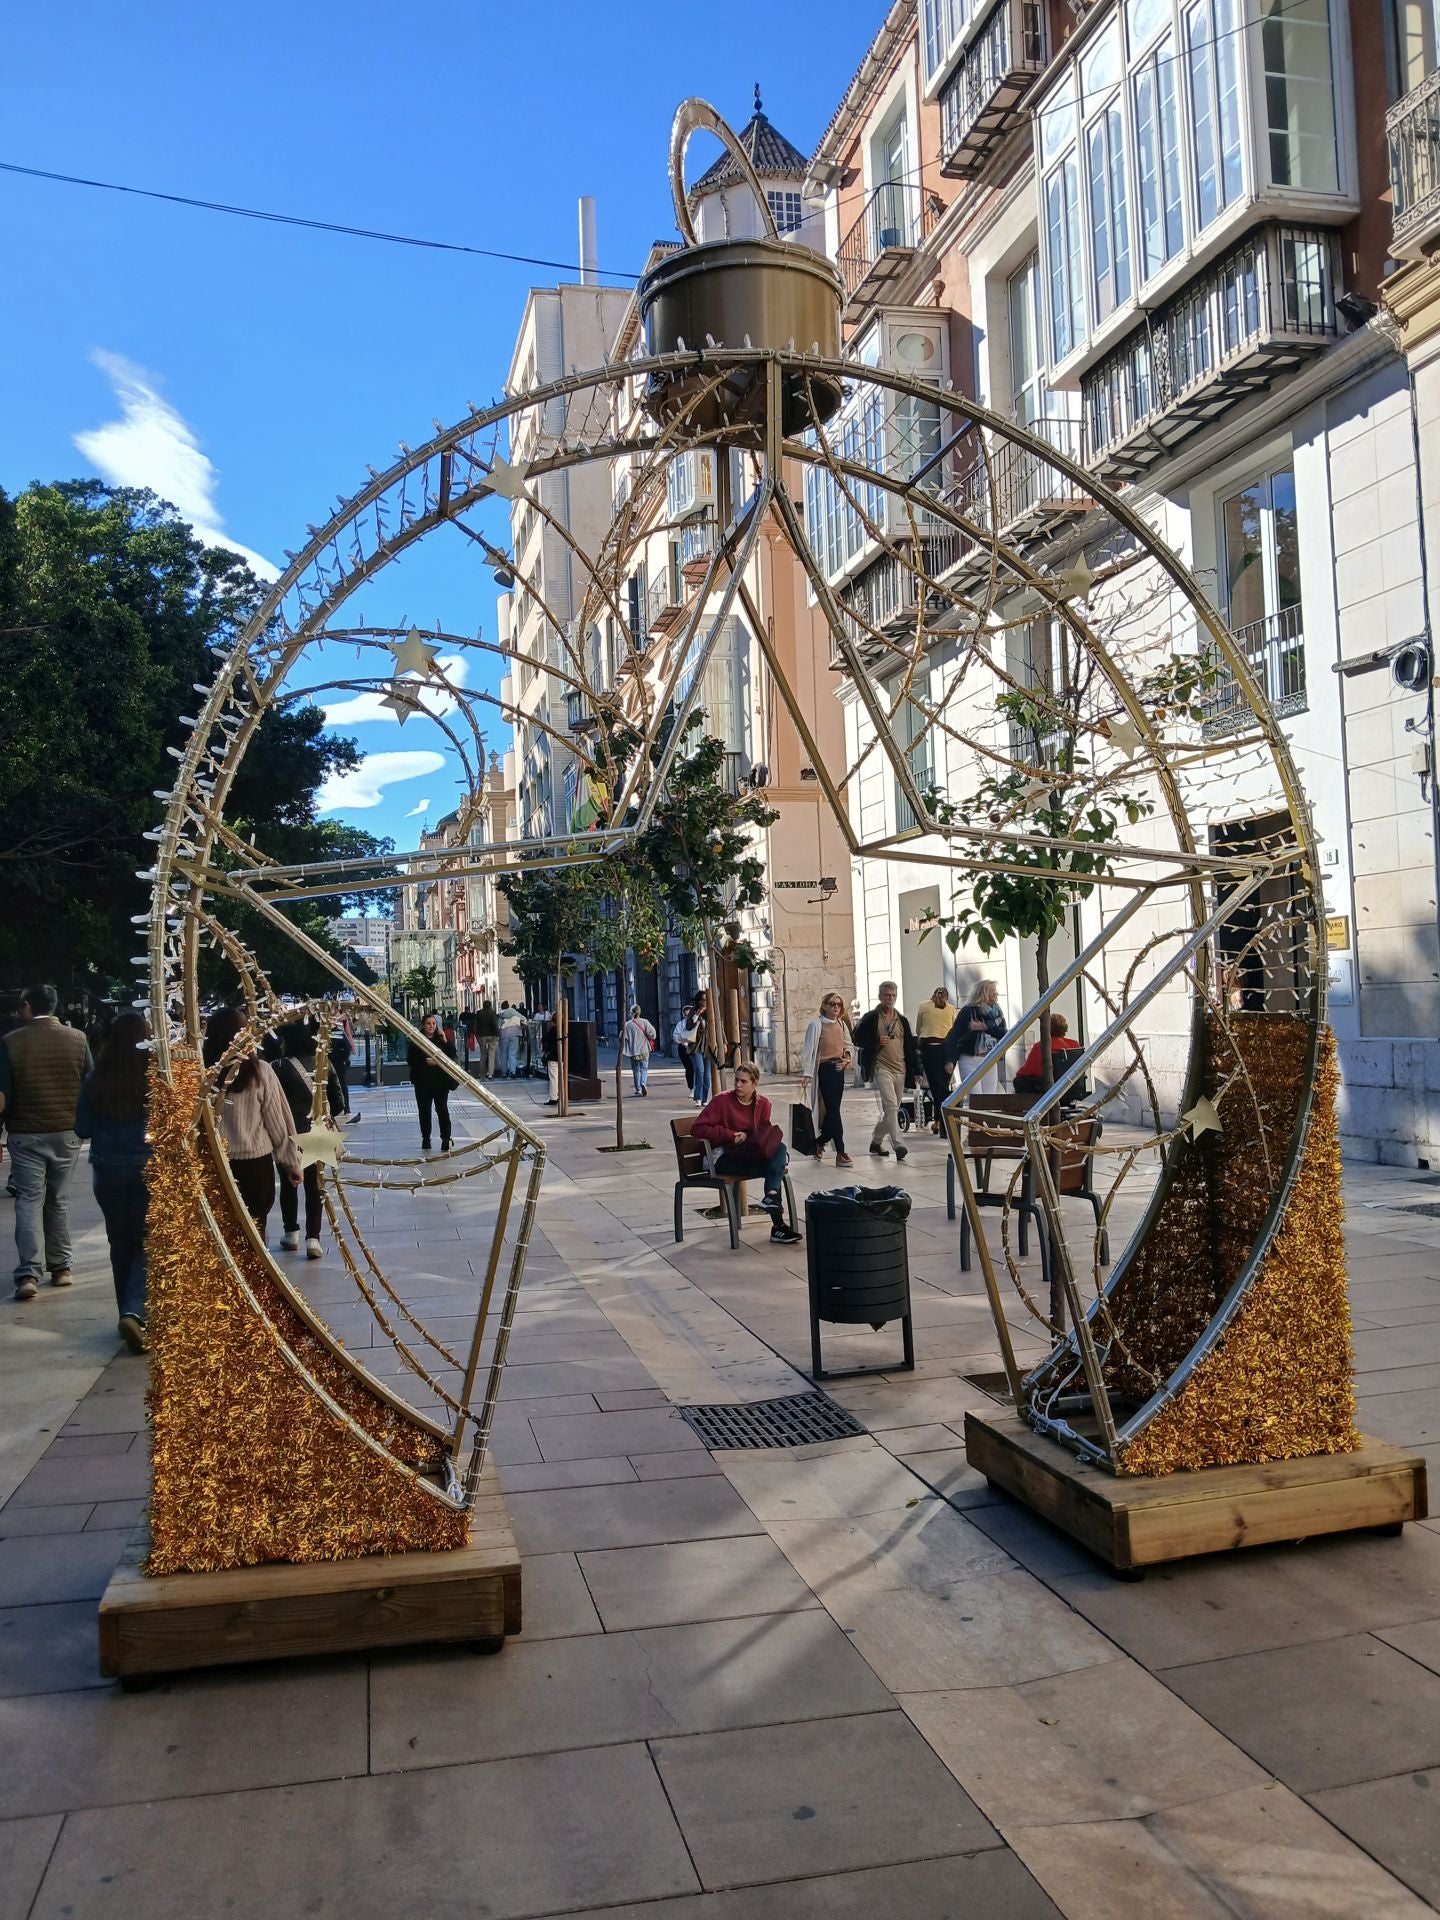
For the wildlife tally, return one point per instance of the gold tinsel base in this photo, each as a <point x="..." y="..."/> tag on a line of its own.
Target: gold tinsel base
<point x="248" y="1462"/>
<point x="1279" y="1385"/>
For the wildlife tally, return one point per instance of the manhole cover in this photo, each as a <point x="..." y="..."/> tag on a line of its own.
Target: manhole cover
<point x="798" y="1421"/>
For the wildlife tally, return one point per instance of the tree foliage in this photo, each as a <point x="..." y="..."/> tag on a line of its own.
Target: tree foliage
<point x="109" y="610"/>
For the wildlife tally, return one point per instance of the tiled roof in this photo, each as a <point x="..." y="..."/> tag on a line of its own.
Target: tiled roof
<point x="770" y="154"/>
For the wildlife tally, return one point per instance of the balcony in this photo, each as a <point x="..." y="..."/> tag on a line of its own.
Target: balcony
<point x="1256" y="312"/>
<point x="1413" y="125"/>
<point x="884" y="241"/>
<point x="1010" y="490"/>
<point x="1274" y="649"/>
<point x="980" y="102"/>
<point x="886" y="594"/>
<point x="663" y="610"/>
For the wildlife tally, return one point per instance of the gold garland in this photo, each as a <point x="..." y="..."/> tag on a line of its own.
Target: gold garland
<point x="1279" y="1385"/>
<point x="249" y="1463"/>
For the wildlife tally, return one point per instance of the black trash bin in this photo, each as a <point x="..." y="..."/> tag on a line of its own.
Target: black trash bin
<point x="859" y="1266"/>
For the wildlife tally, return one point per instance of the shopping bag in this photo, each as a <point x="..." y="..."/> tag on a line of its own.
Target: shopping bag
<point x="802" y="1128"/>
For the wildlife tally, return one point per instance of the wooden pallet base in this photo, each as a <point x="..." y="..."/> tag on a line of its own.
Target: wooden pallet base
<point x="281" y="1611"/>
<point x="1140" y="1521"/>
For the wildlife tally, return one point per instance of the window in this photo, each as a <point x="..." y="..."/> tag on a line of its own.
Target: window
<point x="836" y="511"/>
<point x="1260" y="555"/>
<point x="1027" y="383"/>
<point x="1157" y="155"/>
<point x="1212" y="34"/>
<point x="912" y="734"/>
<point x="787" y="209"/>
<point x="1299" y="99"/>
<point x="942" y="25"/>
<point x="1062" y="225"/>
<point x="1409" y="45"/>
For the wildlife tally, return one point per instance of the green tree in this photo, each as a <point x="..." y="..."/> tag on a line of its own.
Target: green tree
<point x="109" y="609"/>
<point x="415" y="989"/>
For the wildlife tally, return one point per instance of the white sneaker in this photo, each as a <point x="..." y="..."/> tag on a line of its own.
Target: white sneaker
<point x="313" y="1250"/>
<point x="289" y="1242"/>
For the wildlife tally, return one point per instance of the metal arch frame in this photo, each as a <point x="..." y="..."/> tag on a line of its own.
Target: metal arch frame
<point x="320" y="579"/>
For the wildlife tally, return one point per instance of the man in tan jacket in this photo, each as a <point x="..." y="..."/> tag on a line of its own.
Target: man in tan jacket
<point x="42" y="1065"/>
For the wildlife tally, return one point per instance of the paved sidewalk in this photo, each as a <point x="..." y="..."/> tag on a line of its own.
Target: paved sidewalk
<point x="842" y="1680"/>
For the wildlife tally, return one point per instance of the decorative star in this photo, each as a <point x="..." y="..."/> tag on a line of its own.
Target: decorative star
<point x="322" y="1146"/>
<point x="1202" y="1118"/>
<point x="1124" y="734"/>
<point x="1075" y="582"/>
<point x="507" y="481"/>
<point x="413" y="655"/>
<point x="401" y="702"/>
<point x="1036" y="789"/>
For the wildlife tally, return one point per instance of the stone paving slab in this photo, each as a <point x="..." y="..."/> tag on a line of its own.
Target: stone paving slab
<point x="695" y="1580"/>
<point x="1394" y="1819"/>
<point x="778" y="1802"/>
<point x="524" y="1837"/>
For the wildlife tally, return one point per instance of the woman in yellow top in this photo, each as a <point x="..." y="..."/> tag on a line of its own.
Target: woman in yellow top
<point x="932" y="1030"/>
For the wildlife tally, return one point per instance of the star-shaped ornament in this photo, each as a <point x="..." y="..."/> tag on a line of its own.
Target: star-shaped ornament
<point x="1202" y="1118"/>
<point x="1036" y="789"/>
<point x="322" y="1146"/>
<point x="1075" y="582"/>
<point x="401" y="703"/>
<point x="507" y="481"/>
<point x="1123" y="733"/>
<point x="413" y="654"/>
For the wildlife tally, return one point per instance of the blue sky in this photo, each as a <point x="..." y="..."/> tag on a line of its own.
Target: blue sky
<point x="257" y="369"/>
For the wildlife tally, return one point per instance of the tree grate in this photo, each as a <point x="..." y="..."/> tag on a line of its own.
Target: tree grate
<point x="798" y="1421"/>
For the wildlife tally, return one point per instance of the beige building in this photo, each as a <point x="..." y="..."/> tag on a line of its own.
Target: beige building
<point x="1156" y="235"/>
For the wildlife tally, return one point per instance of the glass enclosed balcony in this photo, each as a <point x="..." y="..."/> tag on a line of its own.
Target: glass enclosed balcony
<point x="980" y="102"/>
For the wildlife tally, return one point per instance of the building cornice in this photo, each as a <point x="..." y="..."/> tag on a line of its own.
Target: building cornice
<point x="1412" y="296"/>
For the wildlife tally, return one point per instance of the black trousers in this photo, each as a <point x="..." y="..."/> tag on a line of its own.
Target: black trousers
<point x="314" y="1208"/>
<point x="256" y="1181"/>
<point x="341" y="1063"/>
<point x="832" y="1092"/>
<point x="937" y="1071"/>
<point x="687" y="1061"/>
<point x="437" y="1098"/>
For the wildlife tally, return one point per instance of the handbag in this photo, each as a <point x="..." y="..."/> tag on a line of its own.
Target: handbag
<point x="802" y="1128"/>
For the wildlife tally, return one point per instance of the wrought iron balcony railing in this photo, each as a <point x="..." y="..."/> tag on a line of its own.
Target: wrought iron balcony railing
<point x="1274" y="649"/>
<point x="980" y="102"/>
<point x="893" y="224"/>
<point x="1255" y="312"/>
<point x="1007" y="488"/>
<point x="1413" y="125"/>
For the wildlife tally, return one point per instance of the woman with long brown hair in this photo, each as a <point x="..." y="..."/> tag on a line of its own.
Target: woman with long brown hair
<point x="255" y="1120"/>
<point x="112" y="1116"/>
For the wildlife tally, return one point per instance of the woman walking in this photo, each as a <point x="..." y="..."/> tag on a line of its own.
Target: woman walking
<point x="933" y="1025"/>
<point x="705" y="1047"/>
<point x="978" y="1028"/>
<point x="432" y="1082"/>
<point x="638" y="1042"/>
<point x="296" y="1073"/>
<point x="112" y="1117"/>
<point x="254" y="1119"/>
<point x="752" y="1146"/>
<point x="825" y="1059"/>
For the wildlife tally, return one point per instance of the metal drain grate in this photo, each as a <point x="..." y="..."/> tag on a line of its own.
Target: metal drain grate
<point x="1430" y="1208"/>
<point x="798" y="1421"/>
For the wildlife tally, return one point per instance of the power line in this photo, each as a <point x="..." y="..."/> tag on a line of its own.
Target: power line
<point x="318" y="226"/>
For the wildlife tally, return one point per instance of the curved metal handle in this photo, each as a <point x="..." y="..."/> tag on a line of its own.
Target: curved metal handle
<point x="691" y="116"/>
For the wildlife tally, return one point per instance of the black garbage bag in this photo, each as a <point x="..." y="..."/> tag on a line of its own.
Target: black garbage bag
<point x="879" y="1203"/>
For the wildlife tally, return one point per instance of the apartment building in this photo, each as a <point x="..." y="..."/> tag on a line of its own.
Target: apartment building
<point x="482" y="971"/>
<point x="365" y="934"/>
<point x="1157" y="233"/>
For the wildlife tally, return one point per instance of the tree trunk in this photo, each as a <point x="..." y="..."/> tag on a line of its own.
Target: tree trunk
<point x="619" y="1092"/>
<point x="562" y="1037"/>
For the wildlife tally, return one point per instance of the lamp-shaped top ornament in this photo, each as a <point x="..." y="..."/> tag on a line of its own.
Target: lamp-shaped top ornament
<point x="764" y="291"/>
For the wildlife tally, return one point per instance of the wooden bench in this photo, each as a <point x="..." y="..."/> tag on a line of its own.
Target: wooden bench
<point x="1073" y="1142"/>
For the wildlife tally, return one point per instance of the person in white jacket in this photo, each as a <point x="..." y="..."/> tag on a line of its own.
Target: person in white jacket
<point x="825" y="1058"/>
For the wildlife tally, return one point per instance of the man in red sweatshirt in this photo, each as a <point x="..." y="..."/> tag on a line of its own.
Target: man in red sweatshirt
<point x="752" y="1145"/>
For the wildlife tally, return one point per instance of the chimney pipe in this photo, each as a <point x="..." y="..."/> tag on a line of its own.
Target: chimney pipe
<point x="587" y="240"/>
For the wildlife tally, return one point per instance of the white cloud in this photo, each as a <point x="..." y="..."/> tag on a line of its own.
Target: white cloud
<point x="151" y="445"/>
<point x="357" y="709"/>
<point x="364" y="786"/>
<point x="416" y="811"/>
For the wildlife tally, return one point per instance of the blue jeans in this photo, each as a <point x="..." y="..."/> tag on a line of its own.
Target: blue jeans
<point x="702" y="1078"/>
<point x="509" y="1055"/>
<point x="641" y="1070"/>
<point x="122" y="1197"/>
<point x="732" y="1160"/>
<point x="41" y="1166"/>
